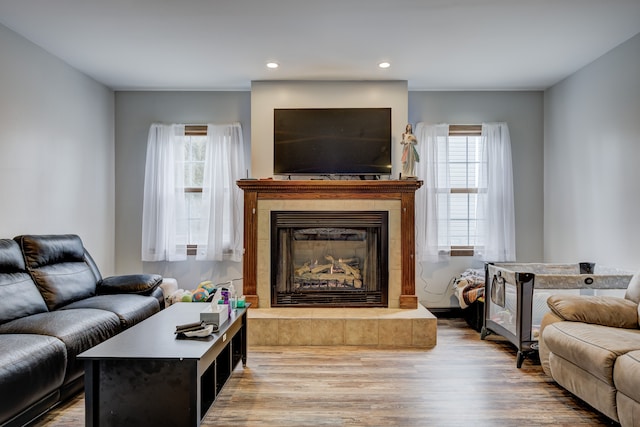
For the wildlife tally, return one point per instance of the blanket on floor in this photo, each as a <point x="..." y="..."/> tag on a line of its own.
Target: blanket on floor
<point x="469" y="286"/>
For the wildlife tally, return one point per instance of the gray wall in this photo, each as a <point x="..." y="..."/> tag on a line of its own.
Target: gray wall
<point x="592" y="150"/>
<point x="56" y="149"/>
<point x="135" y="112"/>
<point x="523" y="112"/>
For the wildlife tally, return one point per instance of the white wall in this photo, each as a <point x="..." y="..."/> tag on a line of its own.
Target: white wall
<point x="267" y="95"/>
<point x="56" y="149"/>
<point x="135" y="112"/>
<point x="592" y="155"/>
<point x="523" y="112"/>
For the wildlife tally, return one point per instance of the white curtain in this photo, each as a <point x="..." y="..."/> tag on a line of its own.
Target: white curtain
<point x="163" y="201"/>
<point x="432" y="199"/>
<point x="222" y="200"/>
<point x="220" y="235"/>
<point x="496" y="211"/>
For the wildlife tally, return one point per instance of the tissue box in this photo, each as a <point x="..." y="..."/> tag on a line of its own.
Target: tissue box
<point x="215" y="314"/>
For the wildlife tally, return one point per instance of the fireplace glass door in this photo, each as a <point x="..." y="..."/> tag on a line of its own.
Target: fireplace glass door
<point x="334" y="259"/>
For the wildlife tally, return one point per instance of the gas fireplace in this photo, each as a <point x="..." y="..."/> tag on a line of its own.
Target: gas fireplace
<point x="329" y="259"/>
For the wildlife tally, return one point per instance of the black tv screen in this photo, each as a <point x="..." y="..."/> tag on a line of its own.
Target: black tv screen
<point x="341" y="141"/>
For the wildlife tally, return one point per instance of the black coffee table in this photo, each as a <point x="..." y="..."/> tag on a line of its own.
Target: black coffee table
<point x="144" y="376"/>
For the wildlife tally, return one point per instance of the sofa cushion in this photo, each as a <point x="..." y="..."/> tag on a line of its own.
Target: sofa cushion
<point x="41" y="250"/>
<point x="593" y="348"/>
<point x="78" y="329"/>
<point x="31" y="367"/>
<point x="11" y="260"/>
<point x="57" y="265"/>
<point x="626" y="374"/>
<point x="130" y="309"/>
<point x="628" y="410"/>
<point x="61" y="284"/>
<point x="600" y="310"/>
<point x="19" y="295"/>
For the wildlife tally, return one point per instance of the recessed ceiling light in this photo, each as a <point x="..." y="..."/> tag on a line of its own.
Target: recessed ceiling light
<point x="384" y="64"/>
<point x="272" y="65"/>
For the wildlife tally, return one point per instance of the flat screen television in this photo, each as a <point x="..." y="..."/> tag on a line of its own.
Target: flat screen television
<point x="332" y="141"/>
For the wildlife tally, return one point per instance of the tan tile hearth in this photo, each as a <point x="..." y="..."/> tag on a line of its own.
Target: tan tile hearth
<point x="381" y="327"/>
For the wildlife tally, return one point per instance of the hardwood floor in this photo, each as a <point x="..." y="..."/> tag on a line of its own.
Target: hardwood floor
<point x="463" y="381"/>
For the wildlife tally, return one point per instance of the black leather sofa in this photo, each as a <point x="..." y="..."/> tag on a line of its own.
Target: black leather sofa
<point x="54" y="304"/>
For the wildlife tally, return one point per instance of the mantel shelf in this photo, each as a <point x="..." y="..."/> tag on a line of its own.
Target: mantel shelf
<point x="330" y="186"/>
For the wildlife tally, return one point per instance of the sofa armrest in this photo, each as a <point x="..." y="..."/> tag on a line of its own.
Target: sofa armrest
<point x="143" y="284"/>
<point x="599" y="310"/>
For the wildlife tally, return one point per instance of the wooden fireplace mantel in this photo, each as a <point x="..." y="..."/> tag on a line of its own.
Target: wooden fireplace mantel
<point x="402" y="190"/>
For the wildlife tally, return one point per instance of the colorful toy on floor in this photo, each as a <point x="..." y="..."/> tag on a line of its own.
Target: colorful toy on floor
<point x="208" y="286"/>
<point x="200" y="295"/>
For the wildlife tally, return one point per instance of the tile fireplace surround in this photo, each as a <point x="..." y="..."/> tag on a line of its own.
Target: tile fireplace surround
<point x="404" y="323"/>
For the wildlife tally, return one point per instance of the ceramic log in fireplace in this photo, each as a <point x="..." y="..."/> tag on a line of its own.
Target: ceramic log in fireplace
<point x="329" y="259"/>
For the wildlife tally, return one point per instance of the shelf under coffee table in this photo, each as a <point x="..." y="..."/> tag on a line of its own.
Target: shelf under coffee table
<point x="145" y="376"/>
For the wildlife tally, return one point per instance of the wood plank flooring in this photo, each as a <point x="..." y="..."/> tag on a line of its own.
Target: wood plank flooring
<point x="463" y="381"/>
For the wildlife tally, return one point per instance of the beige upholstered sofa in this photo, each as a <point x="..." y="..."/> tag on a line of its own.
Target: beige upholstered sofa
<point x="590" y="345"/>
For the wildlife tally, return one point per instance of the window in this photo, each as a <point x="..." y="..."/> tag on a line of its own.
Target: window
<point x="466" y="205"/>
<point x="464" y="163"/>
<point x="191" y="203"/>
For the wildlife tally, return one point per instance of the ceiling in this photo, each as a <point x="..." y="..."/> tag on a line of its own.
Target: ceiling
<point x="224" y="44"/>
